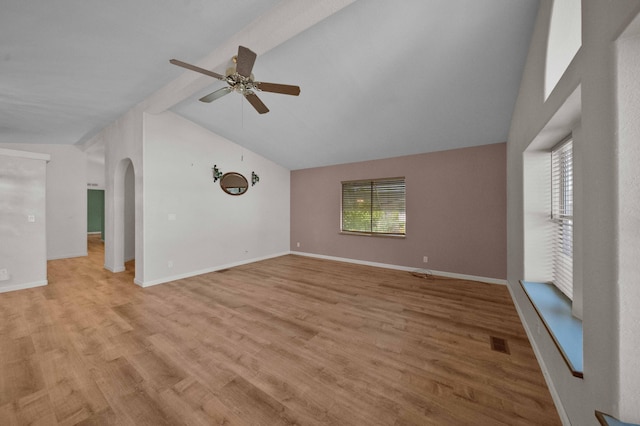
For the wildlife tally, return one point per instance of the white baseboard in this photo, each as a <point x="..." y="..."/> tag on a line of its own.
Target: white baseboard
<point x="204" y="271"/>
<point x="320" y="256"/>
<point x="23" y="286"/>
<point x="94" y="233"/>
<point x="404" y="268"/>
<point x="115" y="270"/>
<point x="68" y="256"/>
<point x="119" y="269"/>
<point x="545" y="371"/>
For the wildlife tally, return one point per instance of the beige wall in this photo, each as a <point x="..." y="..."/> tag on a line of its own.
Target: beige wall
<point x="456" y="211"/>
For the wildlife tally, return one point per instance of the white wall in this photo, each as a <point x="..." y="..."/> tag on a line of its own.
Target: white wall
<point x="122" y="141"/>
<point x="129" y="215"/>
<point x="66" y="198"/>
<point x="23" y="250"/>
<point x="95" y="172"/>
<point x="629" y="217"/>
<point x="606" y="203"/>
<point x="212" y="230"/>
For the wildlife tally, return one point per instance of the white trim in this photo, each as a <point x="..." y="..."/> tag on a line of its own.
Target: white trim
<point x="403" y="268"/>
<point x="67" y="256"/>
<point x="94" y="232"/>
<point x="545" y="371"/>
<point x="204" y="271"/>
<point x="4" y="289"/>
<point x="320" y="256"/>
<point x="115" y="270"/>
<point x="486" y="280"/>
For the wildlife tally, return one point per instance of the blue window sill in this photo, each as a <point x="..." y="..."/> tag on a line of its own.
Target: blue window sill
<point x="607" y="420"/>
<point x="554" y="308"/>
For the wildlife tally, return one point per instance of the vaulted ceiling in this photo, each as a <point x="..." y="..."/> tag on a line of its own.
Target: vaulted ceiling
<point x="378" y="78"/>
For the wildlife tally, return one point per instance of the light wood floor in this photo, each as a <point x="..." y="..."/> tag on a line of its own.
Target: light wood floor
<point x="291" y="340"/>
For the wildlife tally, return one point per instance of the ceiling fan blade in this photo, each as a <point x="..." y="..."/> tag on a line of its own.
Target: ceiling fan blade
<point x="246" y="59"/>
<point x="256" y="102"/>
<point x="285" y="89"/>
<point x="197" y="69"/>
<point x="217" y="94"/>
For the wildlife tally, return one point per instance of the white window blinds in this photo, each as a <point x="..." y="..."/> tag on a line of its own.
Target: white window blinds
<point x="562" y="216"/>
<point x="374" y="206"/>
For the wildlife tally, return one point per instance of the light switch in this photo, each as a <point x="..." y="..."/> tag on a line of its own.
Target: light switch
<point x="31" y="218"/>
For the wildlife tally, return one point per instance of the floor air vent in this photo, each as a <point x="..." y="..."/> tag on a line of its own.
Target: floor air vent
<point x="499" y="345"/>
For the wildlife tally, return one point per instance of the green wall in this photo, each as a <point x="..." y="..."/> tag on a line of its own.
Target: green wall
<point x="95" y="211"/>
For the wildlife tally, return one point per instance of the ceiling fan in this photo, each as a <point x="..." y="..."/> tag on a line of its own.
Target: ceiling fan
<point x="240" y="79"/>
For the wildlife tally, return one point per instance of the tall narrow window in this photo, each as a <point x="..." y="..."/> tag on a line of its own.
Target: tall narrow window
<point x="374" y="206"/>
<point x="563" y="41"/>
<point x="562" y="215"/>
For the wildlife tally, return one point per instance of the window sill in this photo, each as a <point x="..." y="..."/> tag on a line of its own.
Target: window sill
<point x="366" y="234"/>
<point x="607" y="420"/>
<point x="554" y="309"/>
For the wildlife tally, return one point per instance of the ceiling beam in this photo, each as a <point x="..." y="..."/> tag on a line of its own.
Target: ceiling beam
<point x="286" y="20"/>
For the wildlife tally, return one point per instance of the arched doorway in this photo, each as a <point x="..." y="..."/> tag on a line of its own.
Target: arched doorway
<point x="120" y="240"/>
<point x="129" y="209"/>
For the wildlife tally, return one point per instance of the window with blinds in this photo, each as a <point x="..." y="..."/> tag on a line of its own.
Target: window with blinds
<point x="374" y="207"/>
<point x="562" y="215"/>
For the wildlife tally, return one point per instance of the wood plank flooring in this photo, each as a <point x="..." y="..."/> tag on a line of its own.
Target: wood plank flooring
<point x="286" y="341"/>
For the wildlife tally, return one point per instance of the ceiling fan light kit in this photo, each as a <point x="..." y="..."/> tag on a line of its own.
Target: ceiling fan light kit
<point x="240" y="79"/>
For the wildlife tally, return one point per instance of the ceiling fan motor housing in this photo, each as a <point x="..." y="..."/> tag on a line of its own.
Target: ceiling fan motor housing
<point x="239" y="83"/>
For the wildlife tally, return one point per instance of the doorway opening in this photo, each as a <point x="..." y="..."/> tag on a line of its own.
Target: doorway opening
<point x="95" y="212"/>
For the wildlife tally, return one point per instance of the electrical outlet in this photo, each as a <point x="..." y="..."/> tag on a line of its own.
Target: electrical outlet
<point x="425" y="259"/>
<point x="4" y="274"/>
<point x="170" y="264"/>
<point x="297" y="244"/>
<point x="31" y="218"/>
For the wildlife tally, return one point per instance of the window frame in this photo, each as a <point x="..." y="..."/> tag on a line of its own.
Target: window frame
<point x="562" y="213"/>
<point x="372" y="205"/>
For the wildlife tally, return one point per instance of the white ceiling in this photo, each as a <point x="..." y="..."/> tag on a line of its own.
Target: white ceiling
<point x="379" y="78"/>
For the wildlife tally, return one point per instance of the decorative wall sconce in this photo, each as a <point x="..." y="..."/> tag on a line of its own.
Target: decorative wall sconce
<point x="231" y="182"/>
<point x="217" y="174"/>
